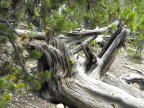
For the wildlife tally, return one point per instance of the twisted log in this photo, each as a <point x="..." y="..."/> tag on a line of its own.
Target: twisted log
<point x="77" y="86"/>
<point x="87" y="85"/>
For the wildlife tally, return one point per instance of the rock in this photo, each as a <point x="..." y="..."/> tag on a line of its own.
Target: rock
<point x="60" y="106"/>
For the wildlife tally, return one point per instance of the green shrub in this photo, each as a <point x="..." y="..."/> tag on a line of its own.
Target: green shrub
<point x="94" y="43"/>
<point x="44" y="76"/>
<point x="35" y="54"/>
<point x="3" y="39"/>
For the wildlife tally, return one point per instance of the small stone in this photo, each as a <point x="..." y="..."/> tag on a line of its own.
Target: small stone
<point x="60" y="106"/>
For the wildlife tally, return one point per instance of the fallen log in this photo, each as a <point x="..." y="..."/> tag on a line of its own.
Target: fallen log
<point x="77" y="87"/>
<point x="85" y="84"/>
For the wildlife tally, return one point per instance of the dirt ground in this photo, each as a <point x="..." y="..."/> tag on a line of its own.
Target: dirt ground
<point x="29" y="100"/>
<point x="122" y="61"/>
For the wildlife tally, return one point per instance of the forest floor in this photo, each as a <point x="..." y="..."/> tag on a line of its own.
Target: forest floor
<point x="124" y="64"/>
<point x="119" y="67"/>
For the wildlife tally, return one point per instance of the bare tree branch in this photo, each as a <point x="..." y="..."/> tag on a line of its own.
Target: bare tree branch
<point x="86" y="42"/>
<point x="109" y="52"/>
<point x="85" y="33"/>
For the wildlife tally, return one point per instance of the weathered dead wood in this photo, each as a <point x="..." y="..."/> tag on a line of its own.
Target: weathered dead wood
<point x="28" y="32"/>
<point x="70" y="83"/>
<point x="83" y="33"/>
<point x="86" y="42"/>
<point x="73" y="86"/>
<point x="86" y="92"/>
<point x="134" y="78"/>
<point x="89" y="93"/>
<point x="118" y="82"/>
<point x="114" y="35"/>
<point x="108" y="52"/>
<point x="71" y="37"/>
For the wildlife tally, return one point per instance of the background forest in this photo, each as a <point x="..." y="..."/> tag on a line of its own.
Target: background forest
<point x="55" y="17"/>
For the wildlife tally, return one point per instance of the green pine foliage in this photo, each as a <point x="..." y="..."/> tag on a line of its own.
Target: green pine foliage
<point x="35" y="54"/>
<point x="8" y="86"/>
<point x="44" y="76"/>
<point x="3" y="39"/>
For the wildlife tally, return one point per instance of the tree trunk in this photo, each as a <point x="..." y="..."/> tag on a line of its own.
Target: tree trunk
<point x="79" y="84"/>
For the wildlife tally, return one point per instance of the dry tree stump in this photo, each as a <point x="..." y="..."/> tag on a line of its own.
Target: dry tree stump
<point x="84" y="82"/>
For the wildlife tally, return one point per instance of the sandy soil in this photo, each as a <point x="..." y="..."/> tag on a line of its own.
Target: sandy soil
<point x="118" y="67"/>
<point x="30" y="100"/>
